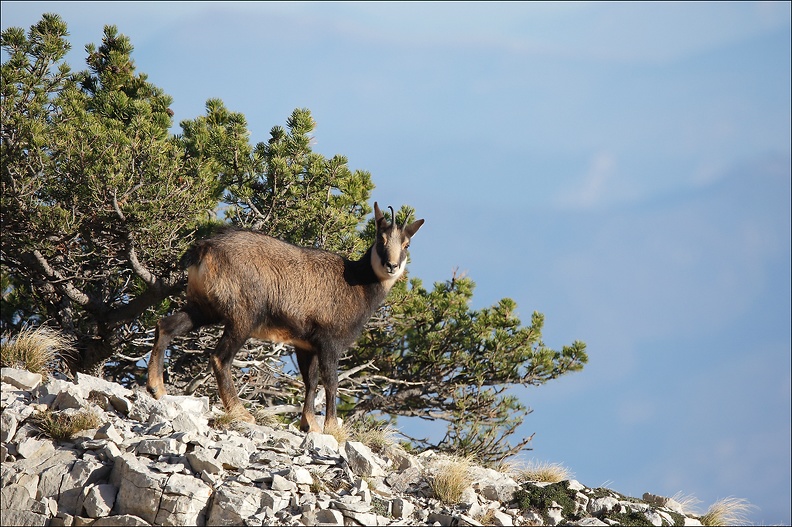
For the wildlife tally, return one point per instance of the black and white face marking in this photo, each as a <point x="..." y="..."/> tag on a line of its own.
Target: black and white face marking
<point x="389" y="257"/>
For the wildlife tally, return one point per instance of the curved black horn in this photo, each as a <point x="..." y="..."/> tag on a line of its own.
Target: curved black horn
<point x="393" y="215"/>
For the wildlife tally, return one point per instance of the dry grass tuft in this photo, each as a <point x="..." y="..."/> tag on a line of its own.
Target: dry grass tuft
<point x="487" y="517"/>
<point x="378" y="438"/>
<point x="36" y="350"/>
<point x="545" y="472"/>
<point x="63" y="426"/>
<point x="688" y="503"/>
<point x="265" y="419"/>
<point x="450" y="480"/>
<point x="727" y="511"/>
<point x="229" y="420"/>
<point x="342" y="432"/>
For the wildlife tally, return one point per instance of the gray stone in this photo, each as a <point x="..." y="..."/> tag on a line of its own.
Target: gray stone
<point x="300" y="476"/>
<point x="139" y="488"/>
<point x="15" y="497"/>
<point x="108" y="431"/>
<point x="70" y="398"/>
<point x="190" y="422"/>
<point x="282" y="484"/>
<point x="601" y="505"/>
<point x="402" y="481"/>
<point x="122" y="520"/>
<point x="654" y="518"/>
<point x="440" y="518"/>
<point x="184" y="501"/>
<point x="118" y="396"/>
<point x="361" y="460"/>
<point x="273" y="500"/>
<point x="402" y="508"/>
<point x="31" y="448"/>
<point x="99" y="500"/>
<point x="46" y="393"/>
<point x="320" y="442"/>
<point x="232" y="456"/>
<point x="501" y="518"/>
<point x="554" y="515"/>
<point x="502" y="492"/>
<point x="329" y="517"/>
<point x="232" y="504"/>
<point x="22" y="379"/>
<point x="25" y="518"/>
<point x="591" y="521"/>
<point x="205" y="459"/>
<point x="30" y="482"/>
<point x="8" y="426"/>
<point x="160" y="447"/>
<point x="84" y="472"/>
<point x="402" y="460"/>
<point x="187" y="403"/>
<point x="345" y="505"/>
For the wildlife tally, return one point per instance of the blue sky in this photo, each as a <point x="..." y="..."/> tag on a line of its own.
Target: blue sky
<point x="623" y="168"/>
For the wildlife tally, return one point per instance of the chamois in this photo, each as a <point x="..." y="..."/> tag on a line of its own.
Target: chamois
<point x="261" y="287"/>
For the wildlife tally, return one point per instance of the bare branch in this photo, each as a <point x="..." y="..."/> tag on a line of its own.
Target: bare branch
<point x="54" y="276"/>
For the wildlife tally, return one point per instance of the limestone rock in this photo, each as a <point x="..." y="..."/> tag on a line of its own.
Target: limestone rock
<point x="22" y="379"/>
<point x="233" y="504"/>
<point x="320" y="442"/>
<point x="139" y="488"/>
<point x="185" y="500"/>
<point x="361" y="459"/>
<point x="159" y="463"/>
<point x="205" y="459"/>
<point x="99" y="500"/>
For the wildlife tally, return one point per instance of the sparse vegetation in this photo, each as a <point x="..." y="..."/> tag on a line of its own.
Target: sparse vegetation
<point x="487" y="517"/>
<point x="341" y="433"/>
<point x="64" y="426"/>
<point x="265" y="419"/>
<point x="228" y="420"/>
<point x="377" y="437"/>
<point x="727" y="511"/>
<point x="688" y="503"/>
<point x="450" y="480"/>
<point x="540" y="499"/>
<point x="35" y="350"/>
<point x="545" y="472"/>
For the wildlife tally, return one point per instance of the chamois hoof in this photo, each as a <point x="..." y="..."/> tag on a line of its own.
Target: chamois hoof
<point x="156" y="391"/>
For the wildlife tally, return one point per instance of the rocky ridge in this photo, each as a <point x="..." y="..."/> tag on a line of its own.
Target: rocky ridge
<point x="160" y="463"/>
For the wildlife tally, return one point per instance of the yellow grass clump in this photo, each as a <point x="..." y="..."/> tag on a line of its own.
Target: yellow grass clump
<point x="64" y="426"/>
<point x="727" y="511"/>
<point x="542" y="471"/>
<point x="450" y="480"/>
<point x="35" y="350"/>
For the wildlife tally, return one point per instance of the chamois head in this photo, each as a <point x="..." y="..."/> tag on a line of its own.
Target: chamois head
<point x="390" y="250"/>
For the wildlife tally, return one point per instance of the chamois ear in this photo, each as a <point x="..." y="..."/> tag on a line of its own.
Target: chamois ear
<point x="412" y="228"/>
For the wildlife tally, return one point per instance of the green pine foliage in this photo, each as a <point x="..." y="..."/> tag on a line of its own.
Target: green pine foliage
<point x="100" y="199"/>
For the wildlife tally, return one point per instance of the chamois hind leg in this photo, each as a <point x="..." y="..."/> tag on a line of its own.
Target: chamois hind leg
<point x="172" y="326"/>
<point x="221" y="359"/>
<point x="308" y="363"/>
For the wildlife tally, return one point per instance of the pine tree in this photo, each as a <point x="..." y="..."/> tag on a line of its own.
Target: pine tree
<point x="99" y="201"/>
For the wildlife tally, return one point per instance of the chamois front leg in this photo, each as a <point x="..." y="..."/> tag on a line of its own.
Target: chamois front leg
<point x="328" y="369"/>
<point x="308" y="362"/>
<point x="230" y="343"/>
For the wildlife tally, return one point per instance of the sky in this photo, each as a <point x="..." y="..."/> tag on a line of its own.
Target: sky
<point x="623" y="168"/>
